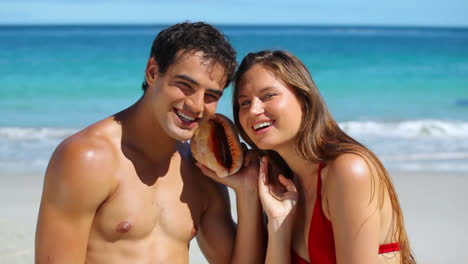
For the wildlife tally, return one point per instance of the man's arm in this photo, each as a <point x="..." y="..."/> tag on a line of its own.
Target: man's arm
<point x="250" y="245"/>
<point x="216" y="232"/>
<point x="75" y="184"/>
<point x="217" y="237"/>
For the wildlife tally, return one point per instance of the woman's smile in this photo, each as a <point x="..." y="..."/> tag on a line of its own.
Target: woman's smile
<point x="269" y="113"/>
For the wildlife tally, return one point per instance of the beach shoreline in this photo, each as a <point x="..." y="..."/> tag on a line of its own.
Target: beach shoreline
<point x="433" y="205"/>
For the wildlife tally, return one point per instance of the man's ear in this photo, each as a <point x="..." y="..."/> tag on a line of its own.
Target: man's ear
<point x="152" y="71"/>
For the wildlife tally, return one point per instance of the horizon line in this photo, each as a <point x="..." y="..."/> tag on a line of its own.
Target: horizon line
<point x="324" y="25"/>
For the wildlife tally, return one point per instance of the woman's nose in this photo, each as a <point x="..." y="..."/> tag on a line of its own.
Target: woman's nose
<point x="256" y="107"/>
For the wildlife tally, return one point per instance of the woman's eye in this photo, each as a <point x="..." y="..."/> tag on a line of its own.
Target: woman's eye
<point x="244" y="103"/>
<point x="268" y="96"/>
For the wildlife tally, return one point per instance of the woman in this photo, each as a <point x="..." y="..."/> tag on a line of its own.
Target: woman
<point x="340" y="206"/>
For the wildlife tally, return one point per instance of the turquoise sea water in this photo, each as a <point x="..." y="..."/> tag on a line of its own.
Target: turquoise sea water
<point x="401" y="91"/>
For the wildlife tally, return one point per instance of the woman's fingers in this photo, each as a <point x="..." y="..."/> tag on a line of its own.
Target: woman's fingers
<point x="287" y="183"/>
<point x="262" y="177"/>
<point x="247" y="154"/>
<point x="264" y="169"/>
<point x="206" y="171"/>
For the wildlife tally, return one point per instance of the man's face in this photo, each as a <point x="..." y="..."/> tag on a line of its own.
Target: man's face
<point x="186" y="93"/>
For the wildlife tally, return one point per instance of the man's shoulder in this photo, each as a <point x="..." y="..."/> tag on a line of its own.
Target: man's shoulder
<point x="90" y="153"/>
<point x="93" y="143"/>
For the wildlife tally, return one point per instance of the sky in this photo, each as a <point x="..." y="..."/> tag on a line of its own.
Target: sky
<point x="325" y="12"/>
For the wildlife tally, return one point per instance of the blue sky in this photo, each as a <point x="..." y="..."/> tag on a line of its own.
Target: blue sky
<point x="343" y="12"/>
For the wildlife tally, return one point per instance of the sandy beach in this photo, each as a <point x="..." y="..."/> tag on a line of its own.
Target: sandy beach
<point x="396" y="89"/>
<point x="434" y="205"/>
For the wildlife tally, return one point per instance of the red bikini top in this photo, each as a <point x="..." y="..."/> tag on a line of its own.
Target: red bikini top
<point x="321" y="241"/>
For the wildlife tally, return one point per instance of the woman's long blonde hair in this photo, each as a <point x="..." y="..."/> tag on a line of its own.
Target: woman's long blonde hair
<point x="320" y="139"/>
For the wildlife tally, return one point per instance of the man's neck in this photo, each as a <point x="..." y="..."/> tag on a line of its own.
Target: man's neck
<point x="141" y="132"/>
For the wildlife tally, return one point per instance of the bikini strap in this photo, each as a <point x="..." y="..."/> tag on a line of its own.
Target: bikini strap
<point x="392" y="247"/>
<point x="319" y="180"/>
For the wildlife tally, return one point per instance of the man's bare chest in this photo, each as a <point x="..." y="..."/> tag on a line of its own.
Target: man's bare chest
<point x="170" y="208"/>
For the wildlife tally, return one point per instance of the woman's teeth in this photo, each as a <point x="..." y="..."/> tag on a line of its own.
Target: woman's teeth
<point x="262" y="125"/>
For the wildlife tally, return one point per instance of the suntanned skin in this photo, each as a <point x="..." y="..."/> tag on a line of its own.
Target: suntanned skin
<point x="126" y="189"/>
<point x="350" y="193"/>
<point x="359" y="225"/>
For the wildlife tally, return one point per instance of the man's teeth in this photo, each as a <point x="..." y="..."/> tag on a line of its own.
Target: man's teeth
<point x="185" y="116"/>
<point x="262" y="125"/>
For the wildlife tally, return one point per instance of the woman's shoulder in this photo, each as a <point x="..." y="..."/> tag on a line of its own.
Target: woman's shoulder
<point x="349" y="185"/>
<point x="349" y="168"/>
<point x="351" y="175"/>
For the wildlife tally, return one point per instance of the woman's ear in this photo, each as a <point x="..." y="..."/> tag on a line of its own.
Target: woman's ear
<point x="152" y="71"/>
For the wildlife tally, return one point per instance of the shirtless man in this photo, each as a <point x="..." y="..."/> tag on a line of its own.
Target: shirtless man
<point x="126" y="190"/>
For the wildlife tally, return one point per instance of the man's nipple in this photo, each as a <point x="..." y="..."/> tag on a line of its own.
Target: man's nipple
<point x="123" y="227"/>
<point x="194" y="231"/>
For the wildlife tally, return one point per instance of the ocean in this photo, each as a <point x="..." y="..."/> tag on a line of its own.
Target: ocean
<point x="403" y="92"/>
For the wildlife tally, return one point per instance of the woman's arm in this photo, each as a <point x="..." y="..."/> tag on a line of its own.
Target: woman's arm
<point x="279" y="205"/>
<point x="353" y="209"/>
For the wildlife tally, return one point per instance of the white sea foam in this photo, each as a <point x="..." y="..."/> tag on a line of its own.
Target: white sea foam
<point x="415" y="128"/>
<point x="405" y="129"/>
<point x="29" y="148"/>
<point x="418" y="145"/>
<point x="34" y="134"/>
<point x="427" y="156"/>
<point x="408" y="145"/>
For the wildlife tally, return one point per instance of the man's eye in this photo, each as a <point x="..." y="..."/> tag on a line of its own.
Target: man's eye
<point x="183" y="86"/>
<point x="211" y="98"/>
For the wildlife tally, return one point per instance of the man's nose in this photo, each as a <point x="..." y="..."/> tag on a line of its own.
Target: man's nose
<point x="195" y="102"/>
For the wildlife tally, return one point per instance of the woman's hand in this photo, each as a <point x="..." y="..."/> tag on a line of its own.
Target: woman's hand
<point x="279" y="202"/>
<point x="245" y="179"/>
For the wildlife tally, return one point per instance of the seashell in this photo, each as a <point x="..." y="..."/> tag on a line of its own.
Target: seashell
<point x="216" y="145"/>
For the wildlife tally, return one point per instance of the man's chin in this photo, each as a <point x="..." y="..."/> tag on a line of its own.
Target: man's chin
<point x="183" y="139"/>
<point x="181" y="135"/>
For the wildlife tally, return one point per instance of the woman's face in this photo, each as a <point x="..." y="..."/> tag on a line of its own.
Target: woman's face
<point x="269" y="112"/>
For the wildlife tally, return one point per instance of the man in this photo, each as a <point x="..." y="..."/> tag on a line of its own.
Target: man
<point x="126" y="190"/>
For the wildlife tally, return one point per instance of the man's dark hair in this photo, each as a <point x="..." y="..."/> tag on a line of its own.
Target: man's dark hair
<point x="193" y="37"/>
